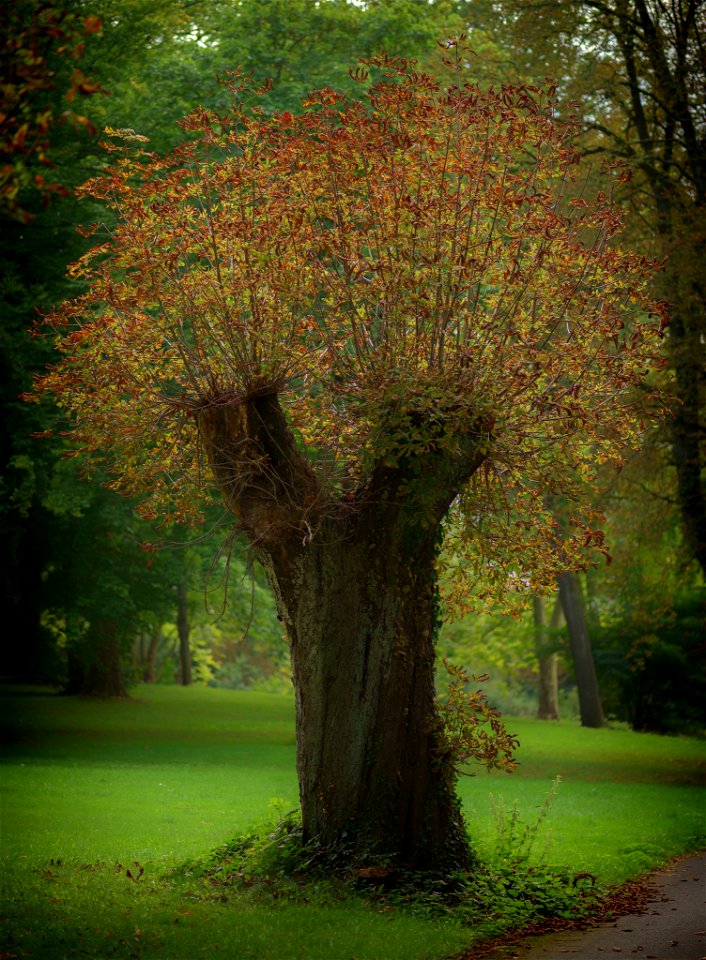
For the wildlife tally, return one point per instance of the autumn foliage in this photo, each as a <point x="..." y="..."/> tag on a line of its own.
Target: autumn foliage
<point x="40" y="52"/>
<point x="399" y="271"/>
<point x="472" y="729"/>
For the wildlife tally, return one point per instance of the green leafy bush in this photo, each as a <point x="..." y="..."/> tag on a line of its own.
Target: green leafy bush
<point x="651" y="659"/>
<point x="510" y="885"/>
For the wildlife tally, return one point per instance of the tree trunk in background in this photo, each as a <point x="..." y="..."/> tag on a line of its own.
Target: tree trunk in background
<point x="548" y="705"/>
<point x="548" y="682"/>
<point x="23" y="559"/>
<point x="687" y="332"/>
<point x="184" y="629"/>
<point x="150" y="658"/>
<point x="661" y="47"/>
<point x="104" y="670"/>
<point x="590" y="703"/>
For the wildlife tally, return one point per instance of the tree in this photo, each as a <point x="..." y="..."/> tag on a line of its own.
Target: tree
<point x="183" y="629"/>
<point x="101" y="587"/>
<point x="651" y="653"/>
<point x="39" y="55"/>
<point x="547" y="659"/>
<point x="378" y="325"/>
<point x="54" y="58"/>
<point x="294" y="46"/>
<point x="646" y="609"/>
<point x="640" y="70"/>
<point x="663" y="71"/>
<point x="572" y="604"/>
<point x="42" y="130"/>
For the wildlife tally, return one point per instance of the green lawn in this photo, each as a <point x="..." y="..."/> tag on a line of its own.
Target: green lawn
<point x="169" y="773"/>
<point x="626" y="801"/>
<point x="88" y="788"/>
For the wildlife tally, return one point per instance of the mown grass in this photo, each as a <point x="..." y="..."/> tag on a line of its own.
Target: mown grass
<point x="168" y="773"/>
<point x="91" y="790"/>
<point x="626" y="803"/>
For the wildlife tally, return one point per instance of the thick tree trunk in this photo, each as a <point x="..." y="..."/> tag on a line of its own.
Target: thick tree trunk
<point x="360" y="614"/>
<point x="590" y="703"/>
<point x="355" y="585"/>
<point x="548" y="660"/>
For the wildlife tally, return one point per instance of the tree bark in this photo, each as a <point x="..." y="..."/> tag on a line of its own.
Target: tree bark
<point x="104" y="675"/>
<point x="355" y="585"/>
<point x="590" y="703"/>
<point x="184" y="630"/>
<point x="148" y="657"/>
<point x="360" y="614"/>
<point x="548" y="682"/>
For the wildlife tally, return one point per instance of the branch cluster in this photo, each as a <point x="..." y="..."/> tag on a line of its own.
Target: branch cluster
<point x="401" y="273"/>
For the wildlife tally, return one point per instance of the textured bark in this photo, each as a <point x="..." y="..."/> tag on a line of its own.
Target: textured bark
<point x="360" y="617"/>
<point x="590" y="703"/>
<point x="355" y="586"/>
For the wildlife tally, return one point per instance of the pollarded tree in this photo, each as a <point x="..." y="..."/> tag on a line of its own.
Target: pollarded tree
<point x="366" y="326"/>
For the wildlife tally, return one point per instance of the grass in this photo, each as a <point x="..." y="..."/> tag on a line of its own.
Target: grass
<point x="91" y="790"/>
<point x="166" y="774"/>
<point x="627" y="802"/>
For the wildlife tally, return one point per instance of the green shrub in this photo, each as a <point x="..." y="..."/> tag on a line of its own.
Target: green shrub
<point x="510" y="885"/>
<point x="651" y="660"/>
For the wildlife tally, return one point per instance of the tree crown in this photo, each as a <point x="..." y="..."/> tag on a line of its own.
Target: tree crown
<point x="400" y="272"/>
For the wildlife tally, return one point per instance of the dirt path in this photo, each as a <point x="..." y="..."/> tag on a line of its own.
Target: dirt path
<point x="671" y="926"/>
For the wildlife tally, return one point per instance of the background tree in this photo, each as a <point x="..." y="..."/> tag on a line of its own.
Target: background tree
<point x="40" y="61"/>
<point x="43" y="132"/>
<point x="66" y="72"/>
<point x="101" y="587"/>
<point x="646" y="610"/>
<point x="572" y="604"/>
<point x="637" y="70"/>
<point x="651" y="655"/>
<point x="365" y="319"/>
<point x="547" y="658"/>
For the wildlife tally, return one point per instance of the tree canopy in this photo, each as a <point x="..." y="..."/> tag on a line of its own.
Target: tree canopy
<point x="636" y="69"/>
<point x="635" y="72"/>
<point x="399" y="272"/>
